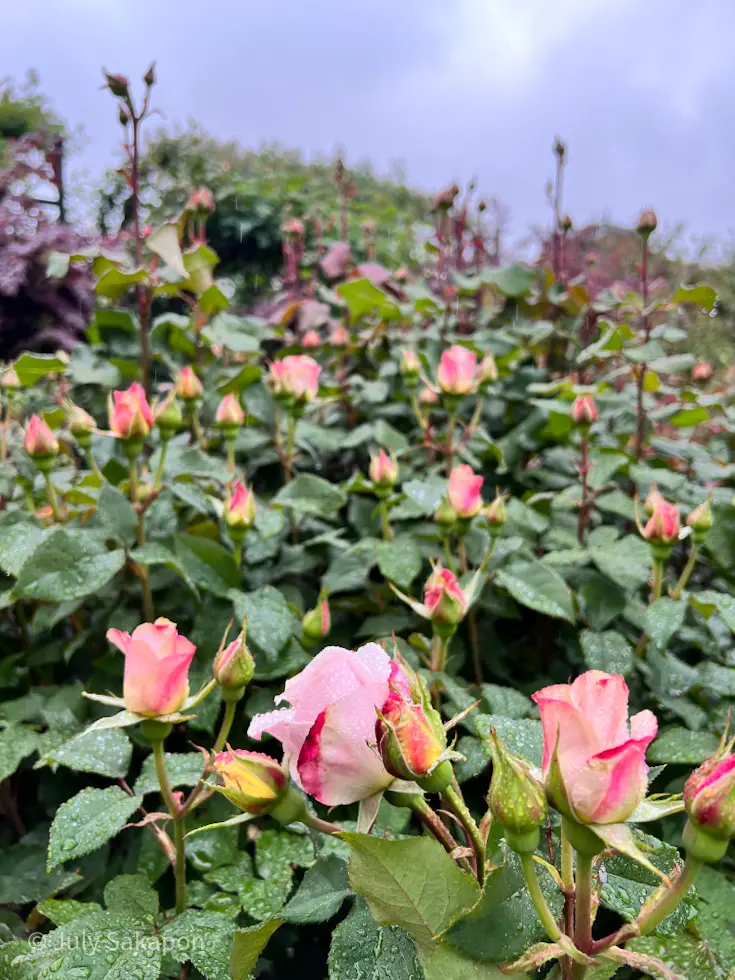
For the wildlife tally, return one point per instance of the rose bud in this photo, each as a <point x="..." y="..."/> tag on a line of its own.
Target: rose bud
<point x="594" y="762"/>
<point x="700" y="520"/>
<point x="230" y="416"/>
<point x="445" y="515"/>
<point x="81" y="424"/>
<point x="653" y="499"/>
<point x="428" y="396"/>
<point x="150" y="76"/>
<point x="118" y="85"/>
<point x="647" y="222"/>
<point x="709" y="798"/>
<point x="201" y="201"/>
<point x="317" y="622"/>
<point x="311" y="339"/>
<point x="295" y="379"/>
<point x="339" y="336"/>
<point x="168" y="415"/>
<point x="251" y="780"/>
<point x="702" y="371"/>
<point x="584" y="410"/>
<point x="188" y="385"/>
<point x="39" y="441"/>
<point x="383" y="470"/>
<point x="662" y="529"/>
<point x="465" y="492"/>
<point x="410" y="368"/>
<point x="560" y="148"/>
<point x="233" y="668"/>
<point x="457" y="373"/>
<point x="496" y="513"/>
<point x="409" y="732"/>
<point x="446" y="603"/>
<point x="9" y="378"/>
<point x="516" y="799"/>
<point x="566" y="223"/>
<point x="328" y="732"/>
<point x="293" y="228"/>
<point x="239" y="511"/>
<point x="487" y="372"/>
<point x="130" y="414"/>
<point x="157" y="660"/>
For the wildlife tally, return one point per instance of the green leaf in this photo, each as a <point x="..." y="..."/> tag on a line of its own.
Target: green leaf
<point x="114" y="283"/>
<point x="247" y="945"/>
<point x="87" y="821"/>
<point x="117" y="514"/>
<point x="504" y="923"/>
<point x="106" y="752"/>
<point x="365" y="299"/>
<point x="444" y="962"/>
<point x="134" y="895"/>
<point x="411" y="883"/>
<point x="723" y="603"/>
<point x="716" y="919"/>
<point x="513" y="280"/>
<point x="16" y="744"/>
<point x="207" y="564"/>
<point x="70" y="564"/>
<point x="309" y="494"/>
<point x="270" y="620"/>
<point x="687" y="417"/>
<point x="363" y="950"/>
<point x="30" y="368"/>
<point x="718" y="679"/>
<point x="20" y="535"/>
<point x="683" y="954"/>
<point x="155" y="553"/>
<point x="400" y="560"/>
<point x="321" y="894"/>
<point x="62" y="911"/>
<point x="538" y="587"/>
<point x="506" y="701"/>
<point x="164" y="242"/>
<point x="276" y="851"/>
<point x="701" y="294"/>
<point x="23" y="875"/>
<point x="608" y="651"/>
<point x="204" y="939"/>
<point x="663" y="618"/>
<point x="523" y="736"/>
<point x="680" y="746"/>
<point x="626" y="561"/>
<point x="350" y="570"/>
<point x="184" y="769"/>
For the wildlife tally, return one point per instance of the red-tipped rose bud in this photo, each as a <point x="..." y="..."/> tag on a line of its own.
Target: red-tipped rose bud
<point x="709" y="798"/>
<point x="317" y="622"/>
<point x="702" y="371"/>
<point x="516" y="799"/>
<point x="168" y="415"/>
<point x="81" y="424"/>
<point x="584" y="410"/>
<point x="39" y="441"/>
<point x="311" y="339"/>
<point x="383" y="470"/>
<point x="131" y="418"/>
<point x="664" y="524"/>
<point x="339" y="336"/>
<point x="240" y="508"/>
<point x="654" y="498"/>
<point x="465" y="492"/>
<point x="428" y="396"/>
<point x="445" y="601"/>
<point x="201" y="201"/>
<point x="230" y="415"/>
<point x="233" y="668"/>
<point x="647" y="222"/>
<point x="188" y="385"/>
<point x="251" y="780"/>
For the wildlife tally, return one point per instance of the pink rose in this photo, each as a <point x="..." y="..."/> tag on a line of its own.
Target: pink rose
<point x="39" y="440"/>
<point x="709" y="796"/>
<point x="339" y="336"/>
<point x="130" y="414"/>
<point x="664" y="524"/>
<point x="465" y="491"/>
<point x="157" y="660"/>
<point x="601" y="760"/>
<point x="328" y="733"/>
<point x="445" y="602"/>
<point x="311" y="339"/>
<point x="229" y="412"/>
<point x="702" y="371"/>
<point x="296" y="377"/>
<point x="383" y="469"/>
<point x="188" y="385"/>
<point x="240" y="508"/>
<point x="457" y="374"/>
<point x="584" y="410"/>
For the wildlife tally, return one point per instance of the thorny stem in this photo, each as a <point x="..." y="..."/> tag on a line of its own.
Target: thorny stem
<point x="432" y="822"/>
<point x="688" y="569"/>
<point x="196" y="796"/>
<point x="546" y="916"/>
<point x="641" y="370"/>
<point x="177" y="814"/>
<point x="459" y="807"/>
<point x="52" y="497"/>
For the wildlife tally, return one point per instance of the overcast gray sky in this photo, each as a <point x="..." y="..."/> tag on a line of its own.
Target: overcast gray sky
<point x="643" y="91"/>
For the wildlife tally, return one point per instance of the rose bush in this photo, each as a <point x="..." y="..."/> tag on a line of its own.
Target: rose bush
<point x="479" y="548"/>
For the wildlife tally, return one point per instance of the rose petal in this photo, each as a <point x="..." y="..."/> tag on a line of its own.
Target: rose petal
<point x="602" y="700"/>
<point x="613" y="783"/>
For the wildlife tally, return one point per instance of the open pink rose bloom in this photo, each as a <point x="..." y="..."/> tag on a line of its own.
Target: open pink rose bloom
<point x="328" y="733"/>
<point x="602" y="760"/>
<point x="157" y="661"/>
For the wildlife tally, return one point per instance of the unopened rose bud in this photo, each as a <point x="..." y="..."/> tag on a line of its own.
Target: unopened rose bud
<point x="709" y="798"/>
<point x="410" y="368"/>
<point x="118" y="85"/>
<point x="560" y="148"/>
<point x="39" y="441"/>
<point x="647" y="222"/>
<point x="131" y="418"/>
<point x="516" y="799"/>
<point x="240" y="509"/>
<point x="122" y="115"/>
<point x="487" y="372"/>
<point x="662" y="529"/>
<point x="700" y="520"/>
<point x="445" y="515"/>
<point x="168" y="415"/>
<point x="188" y="385"/>
<point x="81" y="424"/>
<point x="566" y="224"/>
<point x="445" y="601"/>
<point x="465" y="492"/>
<point x="295" y="379"/>
<point x="317" y="622"/>
<point x="702" y="371"/>
<point x="584" y="410"/>
<point x="292" y="228"/>
<point x="383" y="470"/>
<point x="457" y="374"/>
<point x="496" y="513"/>
<point x="251" y="780"/>
<point x="201" y="201"/>
<point x="339" y="336"/>
<point x="311" y="339"/>
<point x="9" y="379"/>
<point x="229" y="416"/>
<point x="409" y="732"/>
<point x="233" y="668"/>
<point x="150" y="76"/>
<point x="428" y="396"/>
<point x="653" y="499"/>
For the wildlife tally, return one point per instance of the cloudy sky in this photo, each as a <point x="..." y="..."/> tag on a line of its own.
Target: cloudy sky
<point x="643" y="91"/>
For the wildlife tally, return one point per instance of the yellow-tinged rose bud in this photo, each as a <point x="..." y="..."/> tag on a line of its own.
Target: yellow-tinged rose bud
<point x="251" y="780"/>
